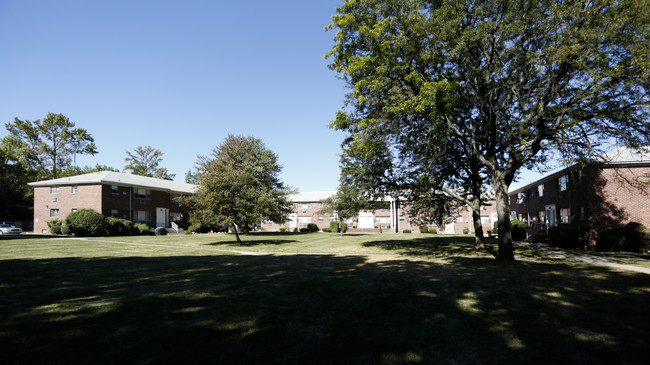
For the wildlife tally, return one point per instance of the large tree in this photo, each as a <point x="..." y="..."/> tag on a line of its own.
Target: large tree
<point x="346" y="203"/>
<point x="509" y="81"/>
<point x="52" y="144"/>
<point x="239" y="185"/>
<point x="16" y="197"/>
<point x="145" y="161"/>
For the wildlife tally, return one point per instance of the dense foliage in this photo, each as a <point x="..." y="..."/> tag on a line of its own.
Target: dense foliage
<point x="239" y="185"/>
<point x="145" y="161"/>
<point x="86" y="222"/>
<point x="499" y="85"/>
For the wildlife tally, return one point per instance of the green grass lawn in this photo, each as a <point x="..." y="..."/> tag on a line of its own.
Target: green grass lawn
<point x="414" y="299"/>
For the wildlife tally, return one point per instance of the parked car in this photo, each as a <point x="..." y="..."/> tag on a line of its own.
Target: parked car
<point x="9" y="229"/>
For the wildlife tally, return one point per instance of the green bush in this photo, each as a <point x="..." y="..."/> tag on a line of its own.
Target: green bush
<point x="518" y="229"/>
<point x="202" y="228"/>
<point x="611" y="239"/>
<point x="86" y="222"/>
<point x="304" y="230"/>
<point x="283" y="229"/>
<point x="334" y="226"/>
<point x="313" y="227"/>
<point x="406" y="231"/>
<point x="569" y="237"/>
<point x="55" y="226"/>
<point x="119" y="227"/>
<point x="326" y="229"/>
<point x="637" y="238"/>
<point x="424" y="229"/>
<point x="143" y="229"/>
<point x="65" y="230"/>
<point x="495" y="227"/>
<point x="465" y="230"/>
<point x="433" y="231"/>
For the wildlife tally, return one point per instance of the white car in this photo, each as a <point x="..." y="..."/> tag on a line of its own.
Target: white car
<point x="9" y="229"/>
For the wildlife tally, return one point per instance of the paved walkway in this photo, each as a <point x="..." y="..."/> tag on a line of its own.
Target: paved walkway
<point x="595" y="260"/>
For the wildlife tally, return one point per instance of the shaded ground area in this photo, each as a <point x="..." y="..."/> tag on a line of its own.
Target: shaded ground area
<point x="318" y="309"/>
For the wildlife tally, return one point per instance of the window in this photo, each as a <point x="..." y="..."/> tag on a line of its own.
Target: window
<point x="485" y="219"/>
<point x="141" y="216"/>
<point x="382" y="220"/>
<point x="115" y="189"/>
<point x="115" y="213"/>
<point x="303" y="206"/>
<point x="565" y="215"/>
<point x="321" y="218"/>
<point x="54" y="189"/>
<point x="459" y="219"/>
<point x="73" y="210"/>
<point x="582" y="213"/>
<point x="540" y="190"/>
<point x="54" y="213"/>
<point x="401" y="218"/>
<point x="541" y="215"/>
<point x="304" y="220"/>
<point x="563" y="183"/>
<point x="142" y="193"/>
<point x="74" y="189"/>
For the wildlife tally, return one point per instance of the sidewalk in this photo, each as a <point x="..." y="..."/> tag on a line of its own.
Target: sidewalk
<point x="604" y="261"/>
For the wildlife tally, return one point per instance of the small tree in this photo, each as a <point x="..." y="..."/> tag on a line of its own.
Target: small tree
<point x="239" y="185"/>
<point x="345" y="204"/>
<point x="86" y="222"/>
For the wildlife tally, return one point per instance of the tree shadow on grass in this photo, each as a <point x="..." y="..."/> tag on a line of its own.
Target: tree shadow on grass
<point x="318" y="309"/>
<point x="431" y="246"/>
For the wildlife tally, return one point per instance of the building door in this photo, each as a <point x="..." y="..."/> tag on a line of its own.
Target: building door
<point x="366" y="220"/>
<point x="162" y="217"/>
<point x="293" y="221"/>
<point x="551" y="216"/>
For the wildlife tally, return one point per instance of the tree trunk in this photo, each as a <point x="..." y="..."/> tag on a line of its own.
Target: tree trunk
<point x="479" y="241"/>
<point x="505" y="253"/>
<point x="237" y="233"/>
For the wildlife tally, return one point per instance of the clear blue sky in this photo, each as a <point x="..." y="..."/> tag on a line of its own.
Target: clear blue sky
<point x="179" y="76"/>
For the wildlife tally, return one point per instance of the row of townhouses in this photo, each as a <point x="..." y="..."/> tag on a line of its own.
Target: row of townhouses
<point x="607" y="193"/>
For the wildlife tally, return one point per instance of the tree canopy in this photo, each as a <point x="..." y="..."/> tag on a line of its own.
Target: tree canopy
<point x="51" y="145"/>
<point x="509" y="82"/>
<point x="239" y="185"/>
<point x="145" y="161"/>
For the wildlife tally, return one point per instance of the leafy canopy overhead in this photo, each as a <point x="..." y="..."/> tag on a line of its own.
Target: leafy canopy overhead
<point x="510" y="82"/>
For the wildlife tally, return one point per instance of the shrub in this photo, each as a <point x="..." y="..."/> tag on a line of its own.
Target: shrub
<point x="433" y="231"/>
<point x="424" y="229"/>
<point x="569" y="237"/>
<point x="65" y="230"/>
<point x="119" y="227"/>
<point x="406" y="231"/>
<point x="55" y="226"/>
<point x="518" y="229"/>
<point x="495" y="226"/>
<point x="465" y="230"/>
<point x="611" y="239"/>
<point x="313" y="227"/>
<point x="334" y="227"/>
<point x="86" y="222"/>
<point x="326" y="229"/>
<point x="304" y="230"/>
<point x="142" y="229"/>
<point x="637" y="238"/>
<point x="201" y="228"/>
<point x="283" y="229"/>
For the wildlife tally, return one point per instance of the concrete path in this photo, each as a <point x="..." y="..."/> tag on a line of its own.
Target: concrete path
<point x="595" y="260"/>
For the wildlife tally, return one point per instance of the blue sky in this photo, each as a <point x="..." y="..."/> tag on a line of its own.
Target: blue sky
<point x="179" y="76"/>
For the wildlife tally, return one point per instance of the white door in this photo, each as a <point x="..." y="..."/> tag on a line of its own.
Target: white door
<point x="366" y="220"/>
<point x="293" y="221"/>
<point x="551" y="216"/>
<point x="162" y="217"/>
<point x="450" y="228"/>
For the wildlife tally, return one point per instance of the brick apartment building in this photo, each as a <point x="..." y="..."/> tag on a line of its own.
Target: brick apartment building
<point x="136" y="198"/>
<point x="606" y="193"/>
<point x="390" y="216"/>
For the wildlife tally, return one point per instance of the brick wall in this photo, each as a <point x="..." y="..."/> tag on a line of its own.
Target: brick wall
<point x="86" y="197"/>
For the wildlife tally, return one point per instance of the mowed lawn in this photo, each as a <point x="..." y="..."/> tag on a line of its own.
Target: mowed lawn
<point x="310" y="299"/>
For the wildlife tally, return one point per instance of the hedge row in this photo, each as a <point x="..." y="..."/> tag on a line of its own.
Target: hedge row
<point x="633" y="237"/>
<point x="87" y="222"/>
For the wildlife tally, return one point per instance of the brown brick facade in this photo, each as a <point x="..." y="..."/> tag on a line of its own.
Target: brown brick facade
<point x="596" y="197"/>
